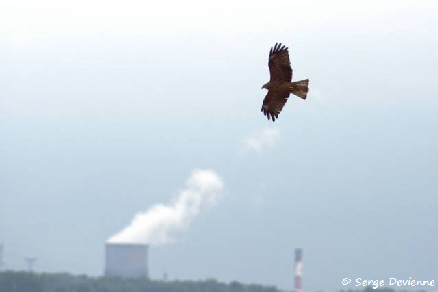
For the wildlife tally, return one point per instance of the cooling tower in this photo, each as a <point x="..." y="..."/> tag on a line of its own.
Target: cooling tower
<point x="127" y="260"/>
<point x="298" y="270"/>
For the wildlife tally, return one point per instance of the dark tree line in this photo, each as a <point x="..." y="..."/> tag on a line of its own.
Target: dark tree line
<point x="32" y="282"/>
<point x="11" y="281"/>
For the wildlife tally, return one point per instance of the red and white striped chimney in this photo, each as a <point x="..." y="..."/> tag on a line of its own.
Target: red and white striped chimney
<point x="298" y="270"/>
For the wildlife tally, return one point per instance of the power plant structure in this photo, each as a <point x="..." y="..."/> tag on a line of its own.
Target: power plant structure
<point x="298" y="270"/>
<point x="126" y="260"/>
<point x="30" y="262"/>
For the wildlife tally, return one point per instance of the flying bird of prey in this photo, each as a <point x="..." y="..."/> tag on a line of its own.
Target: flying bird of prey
<point x="280" y="86"/>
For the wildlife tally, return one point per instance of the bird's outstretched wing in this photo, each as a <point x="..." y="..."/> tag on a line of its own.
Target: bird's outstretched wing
<point x="279" y="64"/>
<point x="273" y="103"/>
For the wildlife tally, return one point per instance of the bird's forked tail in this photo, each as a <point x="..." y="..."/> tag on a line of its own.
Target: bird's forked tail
<point x="300" y="88"/>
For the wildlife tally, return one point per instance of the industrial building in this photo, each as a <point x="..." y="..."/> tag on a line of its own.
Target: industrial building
<point x="127" y="260"/>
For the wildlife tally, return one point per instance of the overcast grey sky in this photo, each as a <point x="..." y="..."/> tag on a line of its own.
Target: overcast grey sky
<point x="106" y="107"/>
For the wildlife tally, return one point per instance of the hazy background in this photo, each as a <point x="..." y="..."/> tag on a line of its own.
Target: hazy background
<point x="107" y="106"/>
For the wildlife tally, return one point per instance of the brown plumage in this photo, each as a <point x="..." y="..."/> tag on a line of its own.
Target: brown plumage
<point x="280" y="86"/>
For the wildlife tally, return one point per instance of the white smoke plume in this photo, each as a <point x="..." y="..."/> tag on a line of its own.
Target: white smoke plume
<point x="160" y="222"/>
<point x="268" y="137"/>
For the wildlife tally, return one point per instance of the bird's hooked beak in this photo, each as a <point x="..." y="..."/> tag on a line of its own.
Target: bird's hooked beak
<point x="264" y="86"/>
